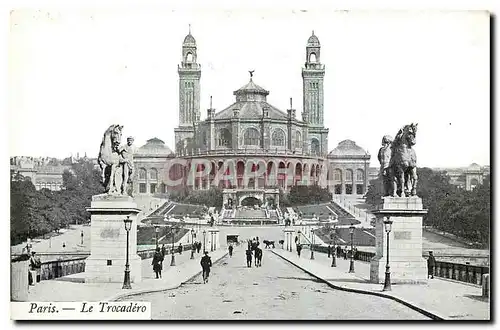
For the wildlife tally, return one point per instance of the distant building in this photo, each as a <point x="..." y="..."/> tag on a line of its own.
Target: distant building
<point x="467" y="178"/>
<point x="44" y="172"/>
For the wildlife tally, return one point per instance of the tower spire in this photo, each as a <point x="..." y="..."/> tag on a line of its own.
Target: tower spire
<point x="210" y="101"/>
<point x="190" y="29"/>
<point x="291" y="107"/>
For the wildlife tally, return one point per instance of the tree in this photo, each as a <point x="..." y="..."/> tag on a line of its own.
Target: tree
<point x="451" y="209"/>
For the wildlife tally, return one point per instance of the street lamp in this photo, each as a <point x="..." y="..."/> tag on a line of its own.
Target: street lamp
<point x="334" y="260"/>
<point x="204" y="236"/>
<point x="172" y="262"/>
<point x="387" y="282"/>
<point x="192" y="243"/>
<point x="157" y="230"/>
<point x="126" y="279"/>
<point x="351" y="265"/>
<point x="312" y="244"/>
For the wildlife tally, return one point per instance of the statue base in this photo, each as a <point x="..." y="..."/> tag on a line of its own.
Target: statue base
<point x="405" y="246"/>
<point x="107" y="259"/>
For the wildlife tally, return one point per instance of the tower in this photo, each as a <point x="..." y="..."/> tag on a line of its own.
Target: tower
<point x="312" y="77"/>
<point x="189" y="83"/>
<point x="189" y="96"/>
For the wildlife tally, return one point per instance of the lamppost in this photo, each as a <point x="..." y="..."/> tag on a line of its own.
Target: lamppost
<point x="192" y="244"/>
<point x="387" y="282"/>
<point x="204" y="236"/>
<point x="351" y="265"/>
<point x="212" y="243"/>
<point x="126" y="279"/>
<point x="312" y="244"/>
<point x="157" y="230"/>
<point x="172" y="262"/>
<point x="334" y="260"/>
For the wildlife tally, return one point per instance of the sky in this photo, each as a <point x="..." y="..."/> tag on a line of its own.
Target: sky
<point x="72" y="73"/>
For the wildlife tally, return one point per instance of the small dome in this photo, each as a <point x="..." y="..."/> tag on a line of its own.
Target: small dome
<point x="154" y="146"/>
<point x="313" y="41"/>
<point x="348" y="148"/>
<point x="189" y="40"/>
<point x="474" y="167"/>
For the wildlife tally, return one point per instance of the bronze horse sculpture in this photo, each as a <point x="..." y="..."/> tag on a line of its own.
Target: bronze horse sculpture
<point x="109" y="159"/>
<point x="403" y="162"/>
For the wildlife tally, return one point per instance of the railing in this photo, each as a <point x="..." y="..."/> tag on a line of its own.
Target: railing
<point x="59" y="268"/>
<point x="460" y="272"/>
<point x="252" y="151"/>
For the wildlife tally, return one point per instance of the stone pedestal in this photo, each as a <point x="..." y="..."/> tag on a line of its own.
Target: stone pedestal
<point x="19" y="280"/>
<point x="108" y="239"/>
<point x="405" y="246"/>
<point x="213" y="239"/>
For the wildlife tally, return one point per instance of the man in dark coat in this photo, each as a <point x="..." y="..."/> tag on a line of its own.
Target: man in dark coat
<point x="230" y="250"/>
<point x="163" y="250"/>
<point x="198" y="247"/>
<point x="329" y="250"/>
<point x="258" y="257"/>
<point x="206" y="263"/>
<point x="157" y="262"/>
<point x="179" y="249"/>
<point x="249" y="258"/>
<point x="299" y="248"/>
<point x="431" y="262"/>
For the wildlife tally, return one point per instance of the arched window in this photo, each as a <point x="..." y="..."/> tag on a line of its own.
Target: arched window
<point x="224" y="138"/>
<point x="298" y="139"/>
<point x="142" y="174"/>
<point x="153" y="174"/>
<point x="251" y="137"/>
<point x="315" y="146"/>
<point x="337" y="176"/>
<point x="348" y="175"/>
<point x="360" y="175"/>
<point x="278" y="138"/>
<point x="312" y="58"/>
<point x="189" y="57"/>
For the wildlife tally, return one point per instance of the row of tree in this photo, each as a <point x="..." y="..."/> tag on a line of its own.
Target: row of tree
<point x="304" y="195"/>
<point x="211" y="197"/>
<point x="451" y="209"/>
<point x="36" y="213"/>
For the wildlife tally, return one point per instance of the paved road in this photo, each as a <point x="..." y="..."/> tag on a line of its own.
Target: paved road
<point x="277" y="290"/>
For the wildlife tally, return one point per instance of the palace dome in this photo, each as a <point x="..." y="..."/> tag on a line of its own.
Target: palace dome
<point x="348" y="148"/>
<point x="154" y="146"/>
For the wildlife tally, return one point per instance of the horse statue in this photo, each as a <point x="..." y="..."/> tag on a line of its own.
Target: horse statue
<point x="109" y="159"/>
<point x="403" y="162"/>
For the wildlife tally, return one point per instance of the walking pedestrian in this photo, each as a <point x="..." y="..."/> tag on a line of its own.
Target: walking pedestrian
<point x="431" y="262"/>
<point x="345" y="253"/>
<point x="339" y="251"/>
<point x="198" y="247"/>
<point x="299" y="248"/>
<point x="163" y="250"/>
<point x="258" y="257"/>
<point x="179" y="249"/>
<point x="230" y="250"/>
<point x="249" y="258"/>
<point x="157" y="262"/>
<point x="329" y="250"/>
<point x="206" y="263"/>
